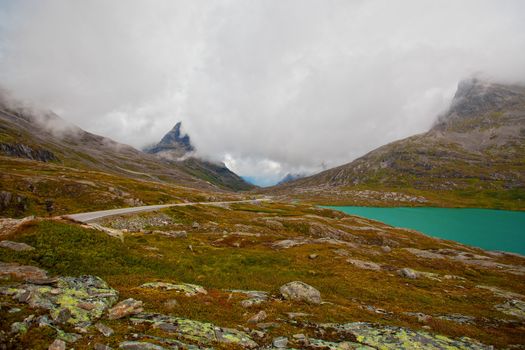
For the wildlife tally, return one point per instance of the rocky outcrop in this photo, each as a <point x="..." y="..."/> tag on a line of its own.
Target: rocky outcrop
<point x="188" y="289"/>
<point x="75" y="301"/>
<point x="389" y="337"/>
<point x="21" y="150"/>
<point x="196" y="331"/>
<point x="300" y="291"/>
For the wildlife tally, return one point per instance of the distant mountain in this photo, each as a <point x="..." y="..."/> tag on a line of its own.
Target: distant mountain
<point x="290" y="177"/>
<point x="473" y="155"/>
<point x="176" y="148"/>
<point x="173" y="145"/>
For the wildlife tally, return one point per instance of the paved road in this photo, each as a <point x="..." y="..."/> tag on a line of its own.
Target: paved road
<point x="95" y="215"/>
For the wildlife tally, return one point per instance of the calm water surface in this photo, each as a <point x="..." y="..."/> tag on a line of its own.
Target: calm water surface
<point x="485" y="228"/>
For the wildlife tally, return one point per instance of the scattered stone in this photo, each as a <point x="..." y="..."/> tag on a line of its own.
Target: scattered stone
<point x="280" y="342"/>
<point x="139" y="345"/>
<point x="195" y="225"/>
<point x="99" y="346"/>
<point x="17" y="246"/>
<point x="408" y="273"/>
<point x="294" y="315"/>
<point x="458" y="318"/>
<point x="256" y="297"/>
<point x="259" y="317"/>
<point x="513" y="307"/>
<point x="343" y="345"/>
<point x="125" y="308"/>
<point x="188" y="289"/>
<point x="386" y="249"/>
<point x="312" y="256"/>
<point x="300" y="291"/>
<point x="14" y="310"/>
<point x="366" y="265"/>
<point x="22" y="271"/>
<point x="301" y="338"/>
<point x="393" y="338"/>
<point x="57" y="345"/>
<point x="267" y="325"/>
<point x="105" y="330"/>
<point x="421" y="317"/>
<point x="502" y="293"/>
<point x="196" y="331"/>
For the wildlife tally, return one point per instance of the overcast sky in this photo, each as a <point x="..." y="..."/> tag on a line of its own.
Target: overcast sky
<point x="268" y="86"/>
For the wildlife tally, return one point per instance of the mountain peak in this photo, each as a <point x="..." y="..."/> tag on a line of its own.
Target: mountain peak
<point x="475" y="97"/>
<point x="175" y="144"/>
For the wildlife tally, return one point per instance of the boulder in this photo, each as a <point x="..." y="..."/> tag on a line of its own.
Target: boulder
<point x="258" y="317"/>
<point x="408" y="273"/>
<point x="300" y="291"/>
<point x="366" y="265"/>
<point x="57" y="345"/>
<point x="125" y="308"/>
<point x="17" y="246"/>
<point x="280" y="342"/>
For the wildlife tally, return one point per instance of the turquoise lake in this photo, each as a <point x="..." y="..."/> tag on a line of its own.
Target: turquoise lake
<point x="485" y="228"/>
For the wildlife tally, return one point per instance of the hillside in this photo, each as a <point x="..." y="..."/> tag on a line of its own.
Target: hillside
<point x="46" y="160"/>
<point x="176" y="148"/>
<point x="474" y="155"/>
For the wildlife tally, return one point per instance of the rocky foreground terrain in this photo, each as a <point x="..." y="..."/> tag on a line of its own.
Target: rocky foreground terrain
<point x="246" y="276"/>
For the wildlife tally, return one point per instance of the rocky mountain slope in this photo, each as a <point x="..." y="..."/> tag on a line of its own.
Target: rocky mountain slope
<point x="48" y="165"/>
<point x="176" y="148"/>
<point x="473" y="155"/>
<point x="200" y="277"/>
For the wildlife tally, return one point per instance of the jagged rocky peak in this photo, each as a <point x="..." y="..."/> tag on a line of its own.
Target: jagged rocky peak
<point x="475" y="96"/>
<point x="175" y="142"/>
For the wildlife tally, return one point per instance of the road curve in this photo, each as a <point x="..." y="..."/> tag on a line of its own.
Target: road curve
<point x="95" y="215"/>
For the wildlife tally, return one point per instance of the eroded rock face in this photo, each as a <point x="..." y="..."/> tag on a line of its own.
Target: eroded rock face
<point x="188" y="289"/>
<point x="76" y="301"/>
<point x="389" y="337"/>
<point x="300" y="291"/>
<point x="196" y="331"/>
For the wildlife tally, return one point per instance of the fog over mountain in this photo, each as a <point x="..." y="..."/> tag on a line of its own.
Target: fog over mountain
<point x="269" y="87"/>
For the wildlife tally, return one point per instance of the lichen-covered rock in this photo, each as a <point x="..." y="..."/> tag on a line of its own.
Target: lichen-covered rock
<point x="186" y="288"/>
<point x="125" y="308"/>
<point x="300" y="291"/>
<point x="139" y="345"/>
<point x="73" y="300"/>
<point x="196" y="331"/>
<point x="342" y="345"/>
<point x="513" y="307"/>
<point x="390" y="337"/>
<point x="16" y="246"/>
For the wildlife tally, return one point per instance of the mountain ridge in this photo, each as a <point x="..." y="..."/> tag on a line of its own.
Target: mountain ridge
<point x="478" y="146"/>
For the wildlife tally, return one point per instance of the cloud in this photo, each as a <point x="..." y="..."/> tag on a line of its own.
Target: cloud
<point x="270" y="87"/>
